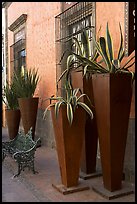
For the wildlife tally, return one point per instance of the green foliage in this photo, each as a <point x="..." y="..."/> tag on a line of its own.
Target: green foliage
<point x="105" y="49"/>
<point x="83" y="62"/>
<point x="71" y="100"/>
<point x="26" y="83"/>
<point x="73" y="97"/>
<point x="9" y="96"/>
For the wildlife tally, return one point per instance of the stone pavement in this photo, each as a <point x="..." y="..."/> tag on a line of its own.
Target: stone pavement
<point x="29" y="187"/>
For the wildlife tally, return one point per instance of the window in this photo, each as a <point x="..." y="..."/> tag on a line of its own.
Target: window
<point x="70" y="23"/>
<point x="18" y="55"/>
<point x="18" y="49"/>
<point x="77" y="27"/>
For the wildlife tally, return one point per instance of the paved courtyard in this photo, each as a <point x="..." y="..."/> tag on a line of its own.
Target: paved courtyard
<point x="29" y="187"/>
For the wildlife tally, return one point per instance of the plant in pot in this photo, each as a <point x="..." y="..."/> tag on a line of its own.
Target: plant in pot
<point x="9" y="97"/>
<point x="112" y="99"/>
<point x="25" y="86"/>
<point x="79" y="59"/>
<point x="112" y="83"/>
<point x="68" y="116"/>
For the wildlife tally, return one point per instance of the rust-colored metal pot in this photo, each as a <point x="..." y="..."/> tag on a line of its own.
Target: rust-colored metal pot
<point x="69" y="141"/>
<point x="89" y="153"/>
<point x="28" y="108"/>
<point x="112" y="97"/>
<point x="13" y="122"/>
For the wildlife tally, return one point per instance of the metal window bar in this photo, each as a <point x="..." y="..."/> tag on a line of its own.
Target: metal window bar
<point x="70" y="23"/>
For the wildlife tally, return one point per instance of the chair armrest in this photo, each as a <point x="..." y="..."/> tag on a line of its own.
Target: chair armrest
<point x="25" y="155"/>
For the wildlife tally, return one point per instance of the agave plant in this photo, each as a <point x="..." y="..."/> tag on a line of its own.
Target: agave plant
<point x="72" y="100"/>
<point x="79" y="58"/>
<point x="26" y="83"/>
<point x="82" y="59"/>
<point x="9" y="96"/>
<point x="83" y="62"/>
<point x="105" y="49"/>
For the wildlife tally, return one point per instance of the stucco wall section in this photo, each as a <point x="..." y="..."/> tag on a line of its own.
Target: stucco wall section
<point x="113" y="13"/>
<point x="40" y="41"/>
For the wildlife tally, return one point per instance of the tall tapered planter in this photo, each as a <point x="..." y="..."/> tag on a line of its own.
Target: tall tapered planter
<point x="13" y="121"/>
<point x="69" y="141"/>
<point x="89" y="153"/>
<point x="28" y="108"/>
<point x="112" y="97"/>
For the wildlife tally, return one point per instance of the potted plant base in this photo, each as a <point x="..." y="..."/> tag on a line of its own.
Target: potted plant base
<point x="28" y="108"/>
<point x="13" y="122"/>
<point x="69" y="141"/>
<point x="126" y="190"/>
<point x="90" y="144"/>
<point x="112" y="112"/>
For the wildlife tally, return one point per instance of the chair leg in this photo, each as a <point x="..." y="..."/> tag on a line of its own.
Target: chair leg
<point x="3" y="156"/>
<point x="19" y="170"/>
<point x="33" y="168"/>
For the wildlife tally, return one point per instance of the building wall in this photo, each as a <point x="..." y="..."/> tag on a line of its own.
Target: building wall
<point x="40" y="49"/>
<point x="40" y="41"/>
<point x="40" y="37"/>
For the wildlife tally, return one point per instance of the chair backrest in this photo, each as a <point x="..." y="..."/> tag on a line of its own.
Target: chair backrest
<point x="24" y="142"/>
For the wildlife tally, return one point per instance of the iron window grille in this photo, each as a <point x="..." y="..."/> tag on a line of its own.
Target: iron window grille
<point x="70" y="23"/>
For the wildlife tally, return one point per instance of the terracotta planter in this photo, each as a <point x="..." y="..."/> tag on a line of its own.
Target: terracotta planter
<point x="28" y="108"/>
<point x="89" y="153"/>
<point x="13" y="122"/>
<point x="69" y="141"/>
<point x="112" y="97"/>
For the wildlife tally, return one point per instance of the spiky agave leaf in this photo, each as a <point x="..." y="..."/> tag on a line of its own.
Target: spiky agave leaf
<point x="128" y="61"/>
<point x="116" y="65"/>
<point x="57" y="106"/>
<point x="25" y="85"/>
<point x="109" y="44"/>
<point x="69" y="113"/>
<point x="78" y="46"/>
<point x="85" y="42"/>
<point x="93" y="64"/>
<point x="84" y="95"/>
<point x="85" y="70"/>
<point x="75" y="91"/>
<point x="74" y="101"/>
<point x="47" y="108"/>
<point x="103" y="47"/>
<point x="86" y="108"/>
<point x="9" y="96"/>
<point x="63" y="73"/>
<point x="121" y="51"/>
<point x="70" y="59"/>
